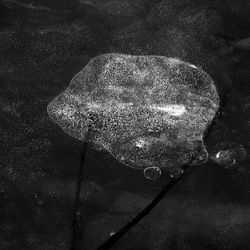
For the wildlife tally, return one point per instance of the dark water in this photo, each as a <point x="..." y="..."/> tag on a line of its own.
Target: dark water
<point x="42" y="45"/>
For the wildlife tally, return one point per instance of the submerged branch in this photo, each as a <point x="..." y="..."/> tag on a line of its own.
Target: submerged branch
<point x="76" y="212"/>
<point x="115" y="237"/>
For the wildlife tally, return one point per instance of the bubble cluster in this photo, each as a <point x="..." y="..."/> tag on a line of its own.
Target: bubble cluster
<point x="147" y="111"/>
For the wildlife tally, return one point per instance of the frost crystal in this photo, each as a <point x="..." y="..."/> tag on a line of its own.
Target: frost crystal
<point x="147" y="111"/>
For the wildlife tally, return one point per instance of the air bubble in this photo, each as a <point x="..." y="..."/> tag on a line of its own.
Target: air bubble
<point x="152" y="173"/>
<point x="230" y="157"/>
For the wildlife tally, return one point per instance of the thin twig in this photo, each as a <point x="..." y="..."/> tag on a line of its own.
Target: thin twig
<point x="115" y="237"/>
<point x="76" y="231"/>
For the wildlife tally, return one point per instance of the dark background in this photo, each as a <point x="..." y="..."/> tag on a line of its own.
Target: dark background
<point x="43" y="43"/>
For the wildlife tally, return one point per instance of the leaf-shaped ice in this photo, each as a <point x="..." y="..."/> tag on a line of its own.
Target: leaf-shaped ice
<point x="147" y="111"/>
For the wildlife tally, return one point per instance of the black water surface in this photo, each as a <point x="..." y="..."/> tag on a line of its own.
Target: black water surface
<point x="43" y="44"/>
